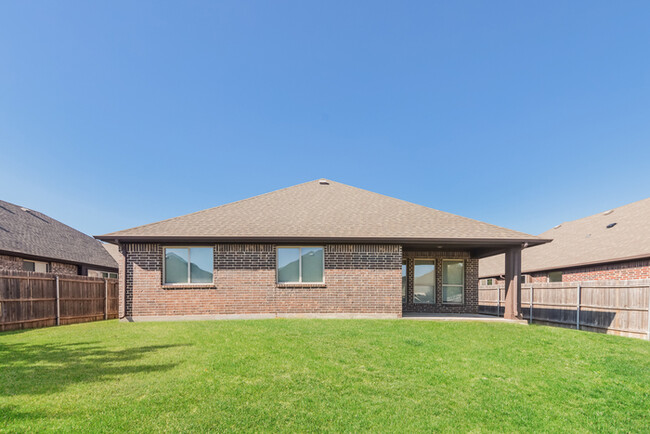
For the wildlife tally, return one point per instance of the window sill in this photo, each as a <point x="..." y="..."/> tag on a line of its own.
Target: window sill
<point x="190" y="286"/>
<point x="301" y="285"/>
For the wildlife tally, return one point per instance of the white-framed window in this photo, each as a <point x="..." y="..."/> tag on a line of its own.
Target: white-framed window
<point x="424" y="281"/>
<point x="103" y="274"/>
<point x="453" y="281"/>
<point x="404" y="280"/>
<point x="304" y="264"/>
<point x="37" y="266"/>
<point x="185" y="265"/>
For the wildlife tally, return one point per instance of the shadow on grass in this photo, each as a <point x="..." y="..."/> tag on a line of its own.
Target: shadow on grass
<point x="14" y="414"/>
<point x="49" y="368"/>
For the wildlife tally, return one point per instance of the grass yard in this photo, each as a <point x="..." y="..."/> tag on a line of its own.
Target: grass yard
<point x="321" y="375"/>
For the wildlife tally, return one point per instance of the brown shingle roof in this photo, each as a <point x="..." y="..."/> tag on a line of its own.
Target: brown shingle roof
<point x="321" y="211"/>
<point x="586" y="241"/>
<point x="26" y="232"/>
<point x="114" y="251"/>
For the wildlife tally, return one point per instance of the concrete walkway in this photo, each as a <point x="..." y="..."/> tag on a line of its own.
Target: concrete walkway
<point x="458" y="317"/>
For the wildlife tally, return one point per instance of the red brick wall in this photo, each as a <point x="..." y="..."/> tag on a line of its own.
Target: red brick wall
<point x="627" y="270"/>
<point x="359" y="279"/>
<point x="630" y="270"/>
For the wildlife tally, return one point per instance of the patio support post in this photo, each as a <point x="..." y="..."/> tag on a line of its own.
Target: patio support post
<point x="513" y="283"/>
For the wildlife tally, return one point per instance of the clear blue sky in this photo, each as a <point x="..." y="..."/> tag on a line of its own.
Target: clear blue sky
<point x="519" y="113"/>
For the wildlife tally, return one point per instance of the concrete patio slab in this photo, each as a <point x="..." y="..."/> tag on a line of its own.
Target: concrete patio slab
<point x="458" y="317"/>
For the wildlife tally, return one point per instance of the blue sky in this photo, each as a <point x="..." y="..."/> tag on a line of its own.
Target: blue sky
<point x="522" y="114"/>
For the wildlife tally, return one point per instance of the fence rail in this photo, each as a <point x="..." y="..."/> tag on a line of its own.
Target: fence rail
<point x="30" y="300"/>
<point x="619" y="307"/>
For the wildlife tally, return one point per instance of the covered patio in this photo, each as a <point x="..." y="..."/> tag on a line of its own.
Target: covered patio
<point x="440" y="281"/>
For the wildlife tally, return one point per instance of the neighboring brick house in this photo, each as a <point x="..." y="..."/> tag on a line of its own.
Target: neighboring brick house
<point x="316" y="249"/>
<point x="612" y="245"/>
<point x="32" y="241"/>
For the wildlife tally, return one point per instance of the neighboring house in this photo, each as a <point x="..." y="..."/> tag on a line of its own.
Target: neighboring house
<point x="612" y="245"/>
<point x="114" y="251"/>
<point x="32" y="241"/>
<point x="316" y="249"/>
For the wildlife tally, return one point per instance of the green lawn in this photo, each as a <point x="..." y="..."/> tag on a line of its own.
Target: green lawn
<point x="321" y="375"/>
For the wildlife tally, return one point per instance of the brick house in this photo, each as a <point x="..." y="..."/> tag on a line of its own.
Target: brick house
<point x="33" y="241"/>
<point x="612" y="245"/>
<point x="320" y="249"/>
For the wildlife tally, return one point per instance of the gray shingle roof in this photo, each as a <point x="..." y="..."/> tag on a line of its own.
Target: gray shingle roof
<point x="586" y="241"/>
<point x="28" y="232"/>
<point x="322" y="211"/>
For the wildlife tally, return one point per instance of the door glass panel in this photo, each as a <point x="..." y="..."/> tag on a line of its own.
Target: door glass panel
<point x="424" y="284"/>
<point x="404" y="281"/>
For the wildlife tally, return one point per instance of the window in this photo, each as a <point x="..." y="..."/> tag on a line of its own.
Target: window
<point x="404" y="281"/>
<point x="185" y="265"/>
<point x="489" y="281"/>
<point x="37" y="266"/>
<point x="555" y="276"/>
<point x="524" y="278"/>
<point x="424" y="285"/>
<point x="453" y="281"/>
<point x="300" y="264"/>
<point x="102" y="274"/>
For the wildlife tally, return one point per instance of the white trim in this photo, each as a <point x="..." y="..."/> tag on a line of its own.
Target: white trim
<point x="189" y="265"/>
<point x="442" y="277"/>
<point x="277" y="265"/>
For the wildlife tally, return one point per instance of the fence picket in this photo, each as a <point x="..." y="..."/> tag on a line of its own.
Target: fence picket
<point x="617" y="307"/>
<point x="45" y="299"/>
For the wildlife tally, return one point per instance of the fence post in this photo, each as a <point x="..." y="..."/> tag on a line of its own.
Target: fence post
<point x="530" y="315"/>
<point x="648" y="312"/>
<point x="579" y="296"/>
<point x="58" y="301"/>
<point x="498" y="300"/>
<point x="105" y="298"/>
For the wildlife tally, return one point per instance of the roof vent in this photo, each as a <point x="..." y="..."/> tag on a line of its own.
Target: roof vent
<point x="608" y="212"/>
<point x="611" y="225"/>
<point x="323" y="182"/>
<point x="555" y="227"/>
<point x="25" y="209"/>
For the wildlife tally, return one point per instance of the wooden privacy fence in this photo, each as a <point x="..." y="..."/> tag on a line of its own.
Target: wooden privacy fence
<point x="620" y="307"/>
<point x="29" y="300"/>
